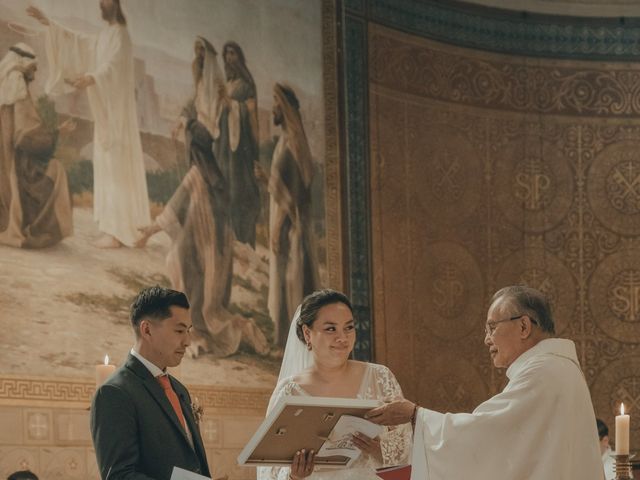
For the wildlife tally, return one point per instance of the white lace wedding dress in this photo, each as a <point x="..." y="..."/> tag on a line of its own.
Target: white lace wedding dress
<point x="378" y="383"/>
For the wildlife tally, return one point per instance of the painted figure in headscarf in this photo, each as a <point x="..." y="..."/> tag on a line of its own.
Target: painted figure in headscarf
<point x="293" y="271"/>
<point x="237" y="144"/>
<point x="197" y="218"/>
<point x="35" y="206"/>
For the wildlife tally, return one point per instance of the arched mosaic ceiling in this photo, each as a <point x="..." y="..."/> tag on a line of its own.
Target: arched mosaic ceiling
<point x="595" y="8"/>
<point x="510" y="31"/>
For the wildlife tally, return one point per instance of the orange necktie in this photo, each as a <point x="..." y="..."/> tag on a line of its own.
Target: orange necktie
<point x="173" y="398"/>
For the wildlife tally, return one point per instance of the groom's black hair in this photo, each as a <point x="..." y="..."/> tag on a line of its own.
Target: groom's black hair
<point x="154" y="303"/>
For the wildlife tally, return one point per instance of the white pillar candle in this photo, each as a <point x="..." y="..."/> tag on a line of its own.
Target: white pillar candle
<point x="104" y="371"/>
<point x="622" y="432"/>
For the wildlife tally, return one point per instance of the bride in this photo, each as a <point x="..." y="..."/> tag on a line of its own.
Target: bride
<point x="316" y="363"/>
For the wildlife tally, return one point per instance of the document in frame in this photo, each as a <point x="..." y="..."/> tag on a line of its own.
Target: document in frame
<point x="340" y="441"/>
<point x="182" y="474"/>
<point x="301" y="420"/>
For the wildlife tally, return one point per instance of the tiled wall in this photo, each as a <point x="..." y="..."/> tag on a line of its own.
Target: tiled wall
<point x="51" y="436"/>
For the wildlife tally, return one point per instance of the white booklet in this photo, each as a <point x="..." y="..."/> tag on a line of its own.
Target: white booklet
<point x="182" y="474"/>
<point x="340" y="441"/>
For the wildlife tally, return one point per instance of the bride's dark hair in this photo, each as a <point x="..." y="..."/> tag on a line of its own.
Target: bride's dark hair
<point x="313" y="302"/>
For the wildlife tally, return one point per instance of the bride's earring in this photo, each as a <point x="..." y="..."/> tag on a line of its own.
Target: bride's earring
<point x="309" y="346"/>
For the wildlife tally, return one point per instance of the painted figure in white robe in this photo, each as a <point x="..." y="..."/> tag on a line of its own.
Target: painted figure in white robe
<point x="103" y="65"/>
<point x="197" y="218"/>
<point x="292" y="265"/>
<point x="316" y="363"/>
<point x="35" y="206"/>
<point x="541" y="426"/>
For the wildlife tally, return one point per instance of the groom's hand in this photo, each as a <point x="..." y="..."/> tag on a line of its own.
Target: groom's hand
<point x="394" y="413"/>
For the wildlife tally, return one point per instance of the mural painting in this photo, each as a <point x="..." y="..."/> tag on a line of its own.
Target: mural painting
<point x="146" y="145"/>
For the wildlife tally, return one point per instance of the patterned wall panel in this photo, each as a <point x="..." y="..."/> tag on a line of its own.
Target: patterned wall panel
<point x="490" y="169"/>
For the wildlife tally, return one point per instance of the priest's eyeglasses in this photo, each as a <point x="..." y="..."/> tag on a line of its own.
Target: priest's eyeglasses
<point x="490" y="327"/>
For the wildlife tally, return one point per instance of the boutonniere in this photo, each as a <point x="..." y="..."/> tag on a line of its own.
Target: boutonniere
<point x="197" y="410"/>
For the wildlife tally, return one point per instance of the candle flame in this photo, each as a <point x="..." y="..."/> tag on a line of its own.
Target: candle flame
<point x="106" y="359"/>
<point x="622" y="409"/>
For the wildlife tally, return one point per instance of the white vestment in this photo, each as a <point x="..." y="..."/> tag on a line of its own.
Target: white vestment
<point x="378" y="383"/>
<point x="540" y="427"/>
<point x="120" y="198"/>
<point x="609" y="464"/>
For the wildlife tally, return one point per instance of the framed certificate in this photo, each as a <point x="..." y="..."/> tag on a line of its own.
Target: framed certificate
<point x="298" y="422"/>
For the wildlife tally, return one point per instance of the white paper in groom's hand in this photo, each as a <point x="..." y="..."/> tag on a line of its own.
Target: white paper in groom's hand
<point x="182" y="474"/>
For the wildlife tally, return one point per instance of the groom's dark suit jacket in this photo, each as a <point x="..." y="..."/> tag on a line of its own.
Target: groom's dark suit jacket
<point x="136" y="433"/>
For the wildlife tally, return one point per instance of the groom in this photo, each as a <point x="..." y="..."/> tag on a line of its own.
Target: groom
<point x="142" y="422"/>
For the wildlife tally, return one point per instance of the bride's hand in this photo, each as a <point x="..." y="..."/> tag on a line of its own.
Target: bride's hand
<point x="302" y="465"/>
<point x="370" y="446"/>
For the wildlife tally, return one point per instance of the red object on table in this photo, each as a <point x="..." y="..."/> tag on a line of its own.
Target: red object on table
<point x="395" y="473"/>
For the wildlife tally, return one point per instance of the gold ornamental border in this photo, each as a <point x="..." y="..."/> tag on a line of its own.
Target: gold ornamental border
<point x="77" y="393"/>
<point x="333" y="187"/>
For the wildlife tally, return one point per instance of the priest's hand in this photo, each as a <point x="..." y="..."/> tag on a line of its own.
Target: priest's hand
<point x="302" y="465"/>
<point x="38" y="15"/>
<point x="393" y="413"/>
<point x="370" y="446"/>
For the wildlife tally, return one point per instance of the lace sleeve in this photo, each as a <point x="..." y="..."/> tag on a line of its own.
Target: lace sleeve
<point x="396" y="441"/>
<point x="272" y="473"/>
<point x="288" y="387"/>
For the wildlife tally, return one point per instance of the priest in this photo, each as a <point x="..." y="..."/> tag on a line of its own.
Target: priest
<point x="540" y="427"/>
